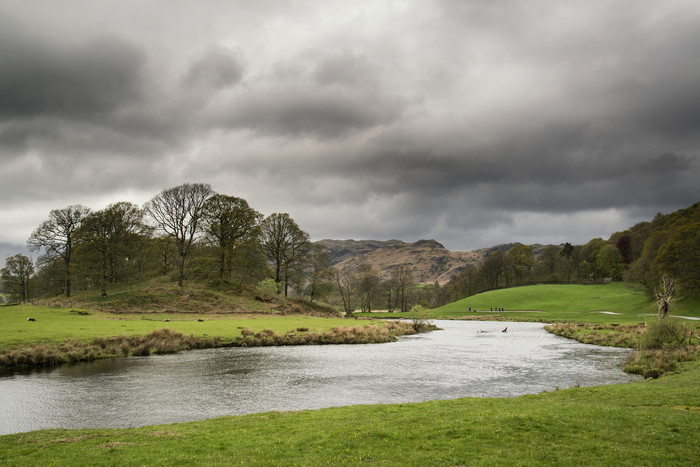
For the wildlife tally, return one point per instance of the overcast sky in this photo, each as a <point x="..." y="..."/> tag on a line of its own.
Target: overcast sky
<point x="470" y="122"/>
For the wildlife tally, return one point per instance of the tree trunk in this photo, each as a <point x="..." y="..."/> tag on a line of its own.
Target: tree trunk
<point x="181" y="272"/>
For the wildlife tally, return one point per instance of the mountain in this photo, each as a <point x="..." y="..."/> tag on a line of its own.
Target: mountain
<point x="429" y="260"/>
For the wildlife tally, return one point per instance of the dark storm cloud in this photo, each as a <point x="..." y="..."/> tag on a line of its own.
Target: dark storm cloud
<point x="464" y="121"/>
<point x="326" y="96"/>
<point x="321" y="113"/>
<point x="43" y="79"/>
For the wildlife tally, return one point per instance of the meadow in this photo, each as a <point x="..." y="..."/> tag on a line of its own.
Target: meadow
<point x="615" y="302"/>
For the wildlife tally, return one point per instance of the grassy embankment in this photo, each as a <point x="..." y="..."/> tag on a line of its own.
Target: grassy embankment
<point x="143" y="320"/>
<point x="605" y="303"/>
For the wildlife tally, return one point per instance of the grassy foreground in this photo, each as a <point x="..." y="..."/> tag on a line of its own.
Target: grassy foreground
<point x="654" y="422"/>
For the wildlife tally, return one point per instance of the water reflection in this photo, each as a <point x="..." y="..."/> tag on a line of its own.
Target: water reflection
<point x="457" y="362"/>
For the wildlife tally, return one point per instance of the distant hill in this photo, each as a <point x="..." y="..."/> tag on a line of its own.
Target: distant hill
<point x="429" y="260"/>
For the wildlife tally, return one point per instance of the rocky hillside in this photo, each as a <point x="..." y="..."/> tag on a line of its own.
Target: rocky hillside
<point x="429" y="260"/>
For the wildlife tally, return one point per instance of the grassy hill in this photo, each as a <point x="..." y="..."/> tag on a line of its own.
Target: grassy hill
<point x="615" y="302"/>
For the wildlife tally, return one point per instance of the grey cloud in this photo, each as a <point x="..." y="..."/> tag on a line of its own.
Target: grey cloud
<point x="300" y="111"/>
<point x="43" y="79"/>
<point x="218" y="68"/>
<point x="440" y="119"/>
<point x="346" y="68"/>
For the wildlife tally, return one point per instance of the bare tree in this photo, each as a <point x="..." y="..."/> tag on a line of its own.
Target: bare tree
<point x="345" y="280"/>
<point x="320" y="270"/>
<point x="178" y="212"/>
<point x="56" y="236"/>
<point x="665" y="294"/>
<point x="402" y="277"/>
<point x="367" y="285"/>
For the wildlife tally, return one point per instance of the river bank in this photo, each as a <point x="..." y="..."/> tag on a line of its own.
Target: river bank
<point x="165" y="340"/>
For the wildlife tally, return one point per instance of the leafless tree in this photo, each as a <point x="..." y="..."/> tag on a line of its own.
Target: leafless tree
<point x="178" y="212"/>
<point x="56" y="236"/>
<point x="665" y="294"/>
<point x="402" y="277"/>
<point x="345" y="280"/>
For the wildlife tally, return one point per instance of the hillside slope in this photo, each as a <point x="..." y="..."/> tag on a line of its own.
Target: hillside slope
<point x="429" y="260"/>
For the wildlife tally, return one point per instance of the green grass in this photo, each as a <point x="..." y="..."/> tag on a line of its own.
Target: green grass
<point x="647" y="423"/>
<point x="54" y="325"/>
<point x="566" y="303"/>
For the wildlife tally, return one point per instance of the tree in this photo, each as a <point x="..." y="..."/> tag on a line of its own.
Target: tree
<point x="367" y="284"/>
<point x="320" y="270"/>
<point x="521" y="259"/>
<point x="609" y="262"/>
<point x="402" y="278"/>
<point x="624" y="244"/>
<point x="389" y="290"/>
<point x="228" y="223"/>
<point x="345" y="280"/>
<point x="107" y="238"/>
<point x="550" y="258"/>
<point x="665" y="294"/>
<point x="284" y="244"/>
<point x="178" y="213"/>
<point x="15" y="277"/>
<point x="567" y="251"/>
<point x="679" y="256"/>
<point x="492" y="270"/>
<point x="56" y="236"/>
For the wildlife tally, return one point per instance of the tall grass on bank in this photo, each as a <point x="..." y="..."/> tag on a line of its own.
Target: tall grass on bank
<point x="367" y="334"/>
<point x="163" y="341"/>
<point x="661" y="345"/>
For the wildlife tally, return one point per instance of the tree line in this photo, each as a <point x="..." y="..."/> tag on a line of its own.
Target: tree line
<point x="187" y="231"/>
<point x="668" y="246"/>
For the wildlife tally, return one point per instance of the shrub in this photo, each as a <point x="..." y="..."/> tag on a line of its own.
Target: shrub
<point x="420" y="318"/>
<point x="664" y="334"/>
<point x="268" y="287"/>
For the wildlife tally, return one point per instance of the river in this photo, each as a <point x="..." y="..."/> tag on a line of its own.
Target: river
<point x="465" y="359"/>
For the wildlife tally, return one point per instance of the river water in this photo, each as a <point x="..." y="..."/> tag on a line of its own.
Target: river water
<point x="464" y="359"/>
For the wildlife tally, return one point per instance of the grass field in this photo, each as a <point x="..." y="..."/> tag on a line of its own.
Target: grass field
<point x="54" y="325"/>
<point x="606" y="303"/>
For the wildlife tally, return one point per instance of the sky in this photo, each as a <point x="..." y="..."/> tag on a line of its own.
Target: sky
<point x="473" y="123"/>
